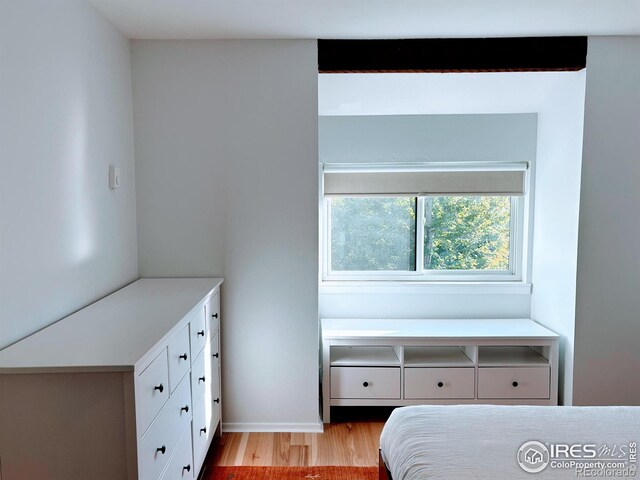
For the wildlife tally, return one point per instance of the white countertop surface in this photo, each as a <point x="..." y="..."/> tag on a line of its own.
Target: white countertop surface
<point x="113" y="333"/>
<point x="448" y="329"/>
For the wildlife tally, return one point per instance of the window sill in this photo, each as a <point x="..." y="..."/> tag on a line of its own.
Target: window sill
<point x="440" y="288"/>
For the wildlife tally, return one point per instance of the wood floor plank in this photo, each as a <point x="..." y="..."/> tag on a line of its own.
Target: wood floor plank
<point x="242" y="446"/>
<point x="281" y="449"/>
<point x="322" y="447"/>
<point x="313" y="448"/>
<point x="342" y="443"/>
<point x="225" y="452"/>
<point x="259" y="450"/>
<point x="301" y="438"/>
<point x="299" y="456"/>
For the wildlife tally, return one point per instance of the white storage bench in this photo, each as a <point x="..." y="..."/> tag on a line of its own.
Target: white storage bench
<point x="410" y="362"/>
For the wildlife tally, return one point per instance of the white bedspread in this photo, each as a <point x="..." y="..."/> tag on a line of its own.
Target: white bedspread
<point x="482" y="441"/>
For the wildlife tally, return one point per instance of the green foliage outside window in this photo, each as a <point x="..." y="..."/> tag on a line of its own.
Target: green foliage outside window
<point x="460" y="233"/>
<point x="373" y="233"/>
<point x="467" y="233"/>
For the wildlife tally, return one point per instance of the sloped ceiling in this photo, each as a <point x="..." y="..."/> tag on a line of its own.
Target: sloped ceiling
<point x="192" y="19"/>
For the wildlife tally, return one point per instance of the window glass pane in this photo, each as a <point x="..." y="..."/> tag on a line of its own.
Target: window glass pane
<point x="373" y="234"/>
<point x="467" y="233"/>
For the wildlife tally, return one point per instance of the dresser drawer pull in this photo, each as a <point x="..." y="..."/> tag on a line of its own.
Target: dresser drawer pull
<point x="216" y="355"/>
<point x="162" y="449"/>
<point x="201" y="333"/>
<point x="185" y="408"/>
<point x="183" y="356"/>
<point x="160" y="388"/>
<point x="365" y="384"/>
<point x="203" y="430"/>
<point x="215" y="315"/>
<point x="217" y="400"/>
<point x="440" y="384"/>
<point x="187" y="468"/>
<point x="515" y="384"/>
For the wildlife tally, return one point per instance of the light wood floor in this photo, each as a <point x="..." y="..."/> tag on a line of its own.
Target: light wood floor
<point x="342" y="443"/>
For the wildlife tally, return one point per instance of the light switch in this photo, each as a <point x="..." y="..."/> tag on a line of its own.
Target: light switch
<point x="114" y="177"/>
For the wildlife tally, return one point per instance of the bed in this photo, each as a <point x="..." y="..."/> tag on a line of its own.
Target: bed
<point x="491" y="442"/>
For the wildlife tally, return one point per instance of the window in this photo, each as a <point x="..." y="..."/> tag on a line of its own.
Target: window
<point x="464" y="225"/>
<point x="467" y="233"/>
<point x="373" y="234"/>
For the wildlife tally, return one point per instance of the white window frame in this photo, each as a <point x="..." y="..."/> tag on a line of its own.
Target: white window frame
<point x="518" y="219"/>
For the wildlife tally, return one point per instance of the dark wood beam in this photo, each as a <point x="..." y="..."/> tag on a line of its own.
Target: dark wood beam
<point x="526" y="54"/>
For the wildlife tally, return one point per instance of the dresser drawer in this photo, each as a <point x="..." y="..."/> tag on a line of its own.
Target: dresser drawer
<point x="517" y="382"/>
<point x="201" y="378"/>
<point x="162" y="437"/>
<point x="216" y="412"/>
<point x="215" y="350"/>
<point x="212" y="313"/>
<point x="198" y="332"/>
<point x="365" y="382"/>
<point x="215" y="367"/>
<point x="178" y="357"/>
<point x="205" y="421"/>
<point x="152" y="390"/>
<point x="181" y="464"/>
<point x="430" y="383"/>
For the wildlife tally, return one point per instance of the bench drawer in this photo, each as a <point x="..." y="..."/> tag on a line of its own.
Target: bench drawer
<point x="365" y="382"/>
<point x="439" y="383"/>
<point x="516" y="382"/>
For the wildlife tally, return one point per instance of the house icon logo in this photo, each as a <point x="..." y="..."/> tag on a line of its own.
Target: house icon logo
<point x="533" y="457"/>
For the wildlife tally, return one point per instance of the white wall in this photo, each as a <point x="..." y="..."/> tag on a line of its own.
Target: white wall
<point x="226" y="157"/>
<point x="65" y="115"/>
<point x="555" y="231"/>
<point x="558" y="100"/>
<point x="427" y="138"/>
<point x="607" y="357"/>
<point x="420" y="138"/>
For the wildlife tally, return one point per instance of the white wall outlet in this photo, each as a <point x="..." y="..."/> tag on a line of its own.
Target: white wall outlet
<point x="114" y="177"/>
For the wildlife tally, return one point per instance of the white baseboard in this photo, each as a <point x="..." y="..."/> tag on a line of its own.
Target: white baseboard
<point x="274" y="427"/>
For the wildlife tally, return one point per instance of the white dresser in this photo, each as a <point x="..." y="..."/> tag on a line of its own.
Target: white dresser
<point x="412" y="362"/>
<point x="126" y="388"/>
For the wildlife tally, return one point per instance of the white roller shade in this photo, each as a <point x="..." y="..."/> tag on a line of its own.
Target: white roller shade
<point x="417" y="183"/>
